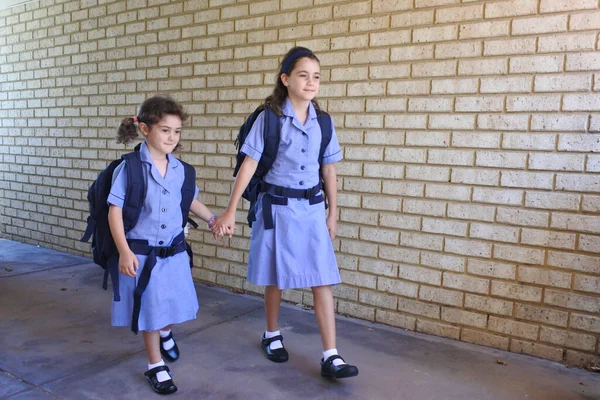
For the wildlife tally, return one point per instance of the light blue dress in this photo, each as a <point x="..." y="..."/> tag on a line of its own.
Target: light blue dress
<point x="170" y="297"/>
<point x="298" y="252"/>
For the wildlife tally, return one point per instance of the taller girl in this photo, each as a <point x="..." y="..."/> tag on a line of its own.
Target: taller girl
<point x="293" y="248"/>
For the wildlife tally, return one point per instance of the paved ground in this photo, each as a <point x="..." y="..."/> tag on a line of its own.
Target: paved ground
<point x="56" y="342"/>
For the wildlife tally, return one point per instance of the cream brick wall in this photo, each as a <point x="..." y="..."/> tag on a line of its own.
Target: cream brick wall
<point x="469" y="190"/>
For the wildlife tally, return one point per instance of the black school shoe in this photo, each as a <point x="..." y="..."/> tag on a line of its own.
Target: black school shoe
<point x="277" y="355"/>
<point x="166" y="387"/>
<point x="173" y="353"/>
<point x="329" y="370"/>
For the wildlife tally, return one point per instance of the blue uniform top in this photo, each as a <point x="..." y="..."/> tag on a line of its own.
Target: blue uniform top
<point x="297" y="164"/>
<point x="160" y="220"/>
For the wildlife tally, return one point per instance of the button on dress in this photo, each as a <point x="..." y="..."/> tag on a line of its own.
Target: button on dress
<point x="298" y="252"/>
<point x="170" y="297"/>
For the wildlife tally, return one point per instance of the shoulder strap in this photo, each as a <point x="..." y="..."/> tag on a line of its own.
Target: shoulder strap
<point x="271" y="136"/>
<point x="188" y="190"/>
<point x="326" y="133"/>
<point x="135" y="192"/>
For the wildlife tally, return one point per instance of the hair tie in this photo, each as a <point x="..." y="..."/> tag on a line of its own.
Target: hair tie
<point x="135" y="119"/>
<point x="287" y="63"/>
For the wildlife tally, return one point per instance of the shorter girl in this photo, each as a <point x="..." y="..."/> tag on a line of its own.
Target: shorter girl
<point x="152" y="254"/>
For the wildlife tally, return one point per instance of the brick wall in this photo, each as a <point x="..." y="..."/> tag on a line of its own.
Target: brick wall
<point x="469" y="190"/>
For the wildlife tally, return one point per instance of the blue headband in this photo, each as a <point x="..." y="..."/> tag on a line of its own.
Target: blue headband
<point x="287" y="64"/>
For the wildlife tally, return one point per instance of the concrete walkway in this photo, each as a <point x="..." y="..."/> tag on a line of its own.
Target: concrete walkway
<point x="56" y="342"/>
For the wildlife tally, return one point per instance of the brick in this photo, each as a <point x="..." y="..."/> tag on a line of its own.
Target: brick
<point x="510" y="122"/>
<point x="536" y="64"/>
<point x="485" y="339"/>
<point x="430" y="139"/>
<point x="368" y="24"/>
<point x="488" y="305"/>
<point x="448" y="192"/>
<point x="389" y="71"/>
<point x="369" y="56"/>
<point x="559" y="122"/>
<point x="450" y="157"/>
<point x="578" y="182"/>
<point x="574" y="222"/>
<point x="576" y="262"/>
<point x="583" y="61"/>
<point x="359" y="279"/>
<point x="435" y="34"/>
<point x="398" y="287"/>
<point x="475" y="176"/>
<point x="432" y="3"/>
<point x="350" y="42"/>
<point x="508" y="84"/>
<point x="378" y="267"/>
<point x="498" y="196"/>
<point x="434" y="68"/>
<point x="484" y="140"/>
<point x="441" y="296"/>
<point x="586" y="323"/>
<point x="479" y="103"/>
<point x="396" y="319"/>
<point x="536" y="349"/>
<point x="536" y="237"/>
<point x="390" y="38"/>
<point x="462" y="317"/>
<point x="557" y="162"/>
<point x="378" y="299"/>
<point x="512" y="328"/>
<point x="510" y="8"/>
<point x="585" y="21"/>
<point x="591" y="203"/>
<point x="457" y="50"/>
<point x="484" y="29"/>
<point x="408" y="87"/>
<point x="355" y="310"/>
<point x="532" y="180"/>
<point x="349" y="10"/>
<point x="492" y="66"/>
<point x="399" y="254"/>
<point x="443" y="262"/>
<point x="458" y="14"/>
<point x="378" y="234"/>
<point x="466" y="283"/>
<point x="427" y="173"/>
<point x="406" y="53"/>
<point x="509" y="46"/>
<point x="546" y="24"/>
<point x="582" y="360"/>
<point x="412" y="18"/>
<point x="585" y="283"/>
<point x="500" y="159"/>
<point x="540" y="314"/>
<point x="471" y="212"/>
<point x="548" y="6"/>
<point x="516" y="291"/>
<point x="468" y="247"/>
<point x="579" y="142"/>
<point x="533" y="103"/>
<point x="438" y="329"/>
<point x="405" y="155"/>
<point x="421" y="241"/>
<point x="593" y="163"/>
<point x="567" y="339"/>
<point x="391" y="5"/>
<point x="453" y="86"/>
<point x="570" y="42"/>
<point x="408" y="189"/>
<point x="419" y="308"/>
<point x="571" y="301"/>
<point x="581" y="102"/>
<point x="589" y="243"/>
<point x="494" y="232"/>
<point x="452" y="121"/>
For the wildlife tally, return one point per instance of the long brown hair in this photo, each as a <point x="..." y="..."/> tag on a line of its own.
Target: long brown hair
<point x="150" y="112"/>
<point x="280" y="92"/>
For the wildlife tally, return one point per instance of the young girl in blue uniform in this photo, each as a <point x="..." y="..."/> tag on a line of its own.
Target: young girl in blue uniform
<point x="297" y="252"/>
<point x="170" y="296"/>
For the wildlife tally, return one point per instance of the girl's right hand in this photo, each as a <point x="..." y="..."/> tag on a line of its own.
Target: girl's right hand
<point x="128" y="263"/>
<point x="224" y="223"/>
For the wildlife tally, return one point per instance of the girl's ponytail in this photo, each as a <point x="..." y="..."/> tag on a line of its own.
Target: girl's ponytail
<point x="127" y="131"/>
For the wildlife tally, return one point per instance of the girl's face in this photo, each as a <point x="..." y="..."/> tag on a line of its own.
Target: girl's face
<point x="303" y="82"/>
<point x="163" y="136"/>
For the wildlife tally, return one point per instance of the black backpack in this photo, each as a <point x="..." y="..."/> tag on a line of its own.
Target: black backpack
<point x="271" y="133"/>
<point x="103" y="245"/>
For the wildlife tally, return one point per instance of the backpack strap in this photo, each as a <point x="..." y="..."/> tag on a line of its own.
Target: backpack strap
<point x="136" y="190"/>
<point x="271" y="136"/>
<point x="188" y="190"/>
<point x="326" y="133"/>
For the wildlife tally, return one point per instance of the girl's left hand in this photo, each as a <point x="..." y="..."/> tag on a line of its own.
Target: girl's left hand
<point x="332" y="226"/>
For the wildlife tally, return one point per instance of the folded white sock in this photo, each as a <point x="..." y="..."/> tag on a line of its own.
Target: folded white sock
<point x="168" y="345"/>
<point x="276" y="344"/>
<point x="161" y="376"/>
<point x="332" y="352"/>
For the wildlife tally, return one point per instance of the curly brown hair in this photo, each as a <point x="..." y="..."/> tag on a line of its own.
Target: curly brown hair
<point x="150" y="112"/>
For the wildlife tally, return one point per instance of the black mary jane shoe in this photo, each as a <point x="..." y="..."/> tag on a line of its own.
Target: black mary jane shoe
<point x="166" y="387"/>
<point x="277" y="355"/>
<point x="329" y="370"/>
<point x="173" y="353"/>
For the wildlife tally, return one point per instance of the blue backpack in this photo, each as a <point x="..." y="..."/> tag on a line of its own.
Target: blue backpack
<point x="271" y="134"/>
<point x="103" y="245"/>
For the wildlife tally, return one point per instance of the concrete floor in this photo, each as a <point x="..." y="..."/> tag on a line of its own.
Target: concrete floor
<point x="56" y="342"/>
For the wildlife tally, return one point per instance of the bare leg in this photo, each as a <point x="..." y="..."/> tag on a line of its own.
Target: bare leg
<point x="272" y="303"/>
<point x="323" y="298"/>
<point x="152" y="342"/>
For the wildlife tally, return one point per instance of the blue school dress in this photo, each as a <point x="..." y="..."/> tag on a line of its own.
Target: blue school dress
<point x="170" y="297"/>
<point x="297" y="252"/>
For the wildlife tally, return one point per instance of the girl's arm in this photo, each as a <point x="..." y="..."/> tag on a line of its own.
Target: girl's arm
<point x="227" y="218"/>
<point x="128" y="262"/>
<point x="330" y="178"/>
<point x="200" y="211"/>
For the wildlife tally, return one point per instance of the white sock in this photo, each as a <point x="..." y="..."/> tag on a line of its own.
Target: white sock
<point x="276" y="344"/>
<point x="168" y="345"/>
<point x="332" y="352"/>
<point x="162" y="375"/>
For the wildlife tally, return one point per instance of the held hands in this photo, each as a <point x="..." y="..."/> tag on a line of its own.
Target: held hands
<point x="223" y="224"/>
<point x="128" y="263"/>
<point x="332" y="226"/>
